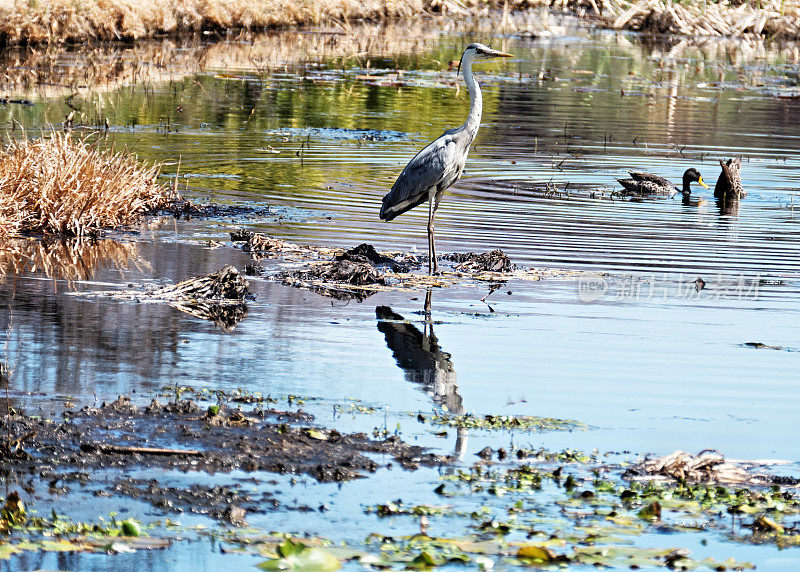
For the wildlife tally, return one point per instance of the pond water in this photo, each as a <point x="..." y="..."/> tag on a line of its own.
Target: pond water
<point x="649" y="361"/>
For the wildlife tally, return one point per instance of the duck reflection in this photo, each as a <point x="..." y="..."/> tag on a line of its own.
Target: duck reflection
<point x="728" y="205"/>
<point x="418" y="354"/>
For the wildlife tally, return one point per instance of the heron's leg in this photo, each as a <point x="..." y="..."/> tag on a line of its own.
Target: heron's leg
<point x="431" y="246"/>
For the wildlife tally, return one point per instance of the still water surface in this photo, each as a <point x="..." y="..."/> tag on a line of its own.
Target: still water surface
<point x="651" y="363"/>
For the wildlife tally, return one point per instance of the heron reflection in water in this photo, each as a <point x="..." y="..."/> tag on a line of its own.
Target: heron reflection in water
<point x="418" y="354"/>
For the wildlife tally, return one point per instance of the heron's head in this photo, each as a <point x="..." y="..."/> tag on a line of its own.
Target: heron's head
<point x="480" y="52"/>
<point x="693" y="175"/>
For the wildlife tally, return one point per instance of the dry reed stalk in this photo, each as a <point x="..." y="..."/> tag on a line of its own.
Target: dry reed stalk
<point x="59" y="185"/>
<point x="768" y="17"/>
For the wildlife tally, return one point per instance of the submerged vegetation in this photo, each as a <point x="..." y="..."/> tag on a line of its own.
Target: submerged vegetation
<point x="60" y="184"/>
<point x="553" y="513"/>
<point x="505" y="422"/>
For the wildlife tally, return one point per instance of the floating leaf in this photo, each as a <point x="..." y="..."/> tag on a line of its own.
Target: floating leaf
<point x="538" y="553"/>
<point x="130" y="527"/>
<point x="299" y="557"/>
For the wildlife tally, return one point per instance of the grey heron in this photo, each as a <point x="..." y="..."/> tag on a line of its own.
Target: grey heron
<point x="434" y="169"/>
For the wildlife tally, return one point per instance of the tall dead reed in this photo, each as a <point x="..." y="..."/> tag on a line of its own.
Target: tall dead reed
<point x="57" y="184"/>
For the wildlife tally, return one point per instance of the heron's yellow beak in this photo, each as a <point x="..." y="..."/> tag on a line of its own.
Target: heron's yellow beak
<point x="702" y="183"/>
<point x="503" y="55"/>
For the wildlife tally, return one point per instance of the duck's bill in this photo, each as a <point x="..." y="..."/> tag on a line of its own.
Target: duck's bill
<point x="702" y="183"/>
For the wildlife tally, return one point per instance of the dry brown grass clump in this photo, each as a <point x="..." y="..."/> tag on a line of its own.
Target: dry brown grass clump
<point x="54" y="21"/>
<point x="59" y="185"/>
<point x="58" y="21"/>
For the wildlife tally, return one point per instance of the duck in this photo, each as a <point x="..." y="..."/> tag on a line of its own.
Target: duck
<point x="649" y="184"/>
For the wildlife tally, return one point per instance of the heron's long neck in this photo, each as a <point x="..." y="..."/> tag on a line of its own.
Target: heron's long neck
<point x="476" y="100"/>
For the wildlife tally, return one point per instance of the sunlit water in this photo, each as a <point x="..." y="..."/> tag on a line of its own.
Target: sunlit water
<point x="650" y="362"/>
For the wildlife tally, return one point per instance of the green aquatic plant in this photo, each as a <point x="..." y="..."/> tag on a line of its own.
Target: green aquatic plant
<point x="504" y="422"/>
<point x="291" y="555"/>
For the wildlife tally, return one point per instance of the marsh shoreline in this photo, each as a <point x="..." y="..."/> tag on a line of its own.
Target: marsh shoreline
<point x="58" y="23"/>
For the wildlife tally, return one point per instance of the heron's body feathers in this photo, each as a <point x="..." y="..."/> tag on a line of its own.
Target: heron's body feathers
<point x="435" y="168"/>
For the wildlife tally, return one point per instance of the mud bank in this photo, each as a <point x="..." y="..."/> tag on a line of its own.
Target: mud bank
<point x="83" y="447"/>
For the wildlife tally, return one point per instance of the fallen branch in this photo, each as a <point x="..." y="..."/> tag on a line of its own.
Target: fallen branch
<point x="124" y="450"/>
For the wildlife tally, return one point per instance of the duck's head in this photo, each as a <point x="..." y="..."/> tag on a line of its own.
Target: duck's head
<point x="693" y="175"/>
<point x="480" y="52"/>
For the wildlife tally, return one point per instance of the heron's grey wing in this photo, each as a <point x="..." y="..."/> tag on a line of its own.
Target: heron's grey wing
<point x="657" y="179"/>
<point x="437" y="166"/>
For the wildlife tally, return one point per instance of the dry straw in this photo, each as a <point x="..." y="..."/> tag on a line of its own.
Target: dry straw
<point x="58" y="184"/>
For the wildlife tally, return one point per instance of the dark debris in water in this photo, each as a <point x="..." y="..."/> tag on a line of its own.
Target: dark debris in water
<point x="366" y="253"/>
<point x="225" y="284"/>
<point x="344" y="271"/>
<point x="762" y="346"/>
<point x="362" y="271"/>
<point x="493" y="261"/>
<point x="708" y="466"/>
<point x="359" y="266"/>
<point x="189" y="209"/>
<point x="218" y="297"/>
<point x="223" y="503"/>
